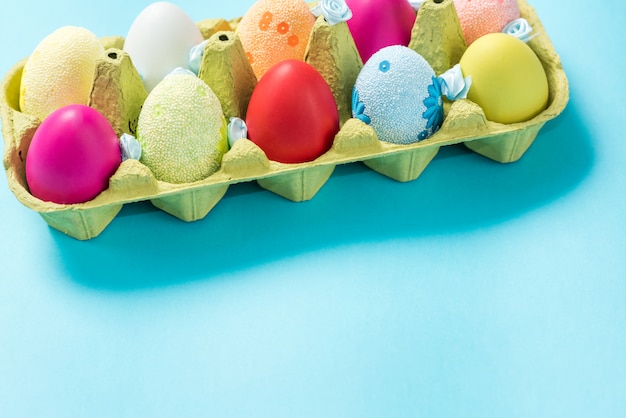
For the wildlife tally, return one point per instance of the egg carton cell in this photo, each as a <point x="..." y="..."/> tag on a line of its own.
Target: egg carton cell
<point x="118" y="93"/>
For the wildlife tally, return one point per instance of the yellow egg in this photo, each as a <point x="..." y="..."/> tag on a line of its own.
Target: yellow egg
<point x="508" y="80"/>
<point x="275" y="30"/>
<point x="60" y="71"/>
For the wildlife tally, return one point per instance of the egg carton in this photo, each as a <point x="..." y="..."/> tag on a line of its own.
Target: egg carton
<point x="118" y="93"/>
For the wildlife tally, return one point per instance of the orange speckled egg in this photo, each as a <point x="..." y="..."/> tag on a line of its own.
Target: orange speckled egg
<point x="275" y="30"/>
<point x="480" y="17"/>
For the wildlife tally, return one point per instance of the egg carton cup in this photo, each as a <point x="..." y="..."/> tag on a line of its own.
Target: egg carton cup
<point x="119" y="94"/>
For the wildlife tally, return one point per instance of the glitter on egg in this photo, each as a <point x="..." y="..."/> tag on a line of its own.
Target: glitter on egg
<point x="398" y="94"/>
<point x="273" y="31"/>
<point x="479" y="18"/>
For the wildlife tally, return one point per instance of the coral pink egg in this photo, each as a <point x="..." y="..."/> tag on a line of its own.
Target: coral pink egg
<point x="479" y="18"/>
<point x="275" y="30"/>
<point x="72" y="155"/>
<point x="376" y="24"/>
<point x="292" y="115"/>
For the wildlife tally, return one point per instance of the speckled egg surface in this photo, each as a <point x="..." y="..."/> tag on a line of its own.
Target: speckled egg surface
<point x="275" y="30"/>
<point x="480" y="17"/>
<point x="182" y="130"/>
<point x="60" y="71"/>
<point x="398" y="94"/>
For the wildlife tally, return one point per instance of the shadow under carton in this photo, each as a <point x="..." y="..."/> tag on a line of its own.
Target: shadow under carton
<point x="119" y="94"/>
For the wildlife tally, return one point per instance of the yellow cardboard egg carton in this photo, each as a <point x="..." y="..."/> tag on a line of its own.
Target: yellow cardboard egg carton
<point x="119" y="94"/>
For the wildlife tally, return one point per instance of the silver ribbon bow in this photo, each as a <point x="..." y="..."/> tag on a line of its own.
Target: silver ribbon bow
<point x="130" y="147"/>
<point x="195" y="57"/>
<point x="237" y="130"/>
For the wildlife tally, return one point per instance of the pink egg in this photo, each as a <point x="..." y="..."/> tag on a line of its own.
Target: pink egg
<point x="479" y="18"/>
<point x="376" y="24"/>
<point x="72" y="155"/>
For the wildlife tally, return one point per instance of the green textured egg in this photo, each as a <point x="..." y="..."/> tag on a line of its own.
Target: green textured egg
<point x="182" y="130"/>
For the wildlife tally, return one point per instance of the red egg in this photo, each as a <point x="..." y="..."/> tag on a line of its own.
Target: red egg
<point x="292" y="115"/>
<point x="72" y="155"/>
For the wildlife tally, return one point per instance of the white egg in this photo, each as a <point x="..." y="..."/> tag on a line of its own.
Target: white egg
<point x="159" y="41"/>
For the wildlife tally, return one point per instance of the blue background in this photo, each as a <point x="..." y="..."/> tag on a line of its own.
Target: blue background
<point x="480" y="289"/>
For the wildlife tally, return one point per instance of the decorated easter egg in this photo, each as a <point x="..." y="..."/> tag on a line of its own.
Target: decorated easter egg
<point x="292" y="115"/>
<point x="182" y="130"/>
<point x="60" y="71"/>
<point x="397" y="93"/>
<point x="159" y="40"/>
<point x="478" y="18"/>
<point x="72" y="155"/>
<point x="376" y="24"/>
<point x="508" y="80"/>
<point x="275" y="30"/>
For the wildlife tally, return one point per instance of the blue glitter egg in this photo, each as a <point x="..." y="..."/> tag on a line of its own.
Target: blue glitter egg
<point x="398" y="94"/>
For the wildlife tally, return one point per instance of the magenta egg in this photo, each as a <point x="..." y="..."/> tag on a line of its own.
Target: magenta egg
<point x="72" y="155"/>
<point x="376" y="24"/>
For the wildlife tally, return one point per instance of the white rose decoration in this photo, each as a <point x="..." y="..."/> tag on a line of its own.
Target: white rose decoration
<point x="334" y="11"/>
<point x="520" y="28"/>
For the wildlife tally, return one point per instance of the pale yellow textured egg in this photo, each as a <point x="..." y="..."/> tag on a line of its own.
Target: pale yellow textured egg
<point x="60" y="71"/>
<point x="275" y="30"/>
<point x="182" y="130"/>
<point x="508" y="80"/>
